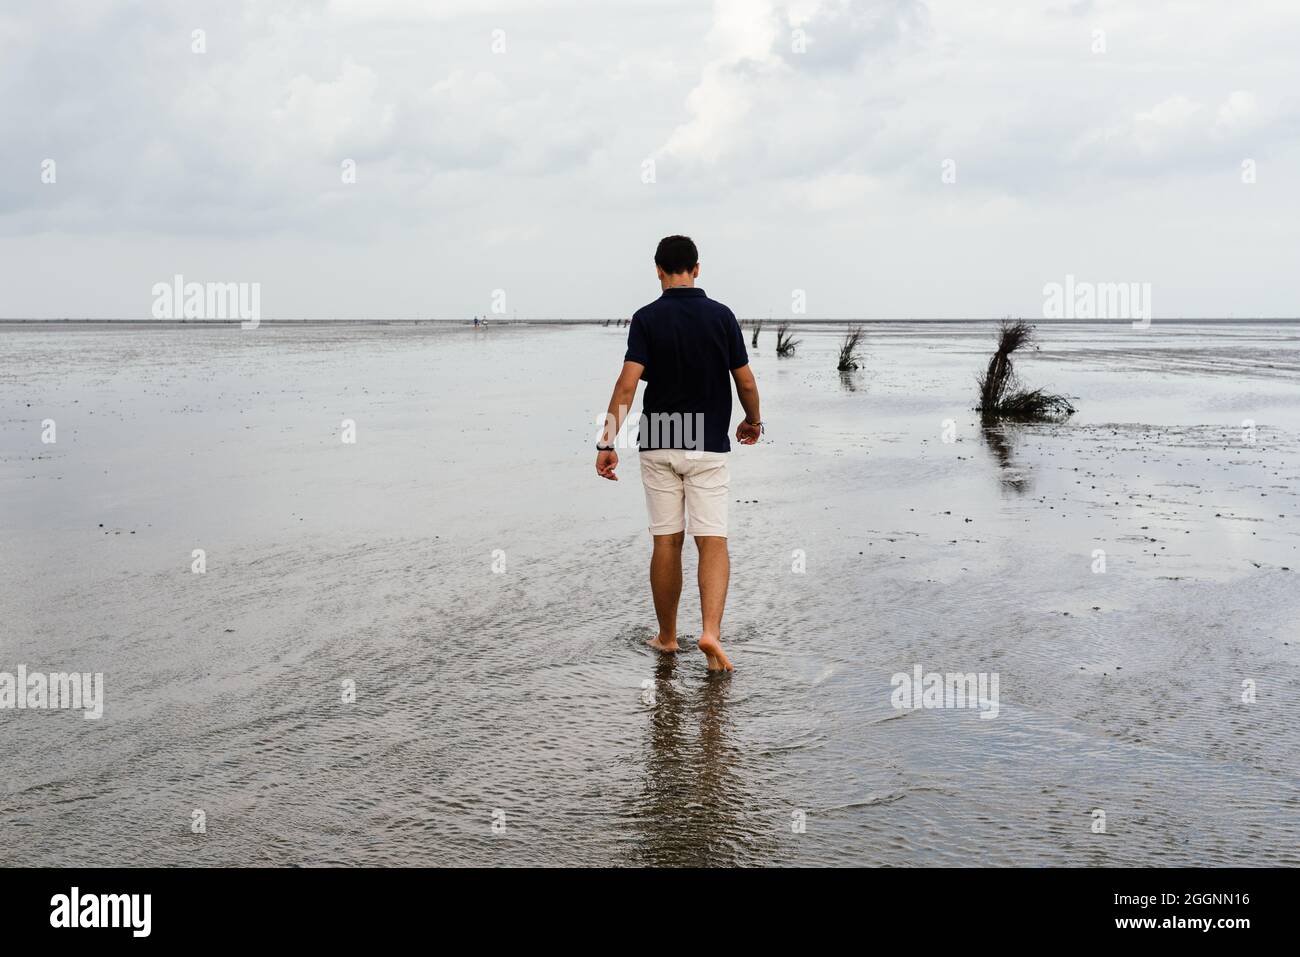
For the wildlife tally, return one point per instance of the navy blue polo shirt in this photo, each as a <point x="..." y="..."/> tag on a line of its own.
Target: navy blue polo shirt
<point x="688" y="344"/>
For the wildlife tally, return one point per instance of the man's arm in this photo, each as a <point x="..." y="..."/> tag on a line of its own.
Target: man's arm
<point x="619" y="404"/>
<point x="747" y="432"/>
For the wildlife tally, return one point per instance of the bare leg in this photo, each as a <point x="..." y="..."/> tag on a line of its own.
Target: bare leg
<point x="715" y="572"/>
<point x="666" y="586"/>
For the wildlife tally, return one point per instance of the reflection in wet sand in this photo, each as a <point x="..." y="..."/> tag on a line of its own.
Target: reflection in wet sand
<point x="691" y="811"/>
<point x="1001" y="443"/>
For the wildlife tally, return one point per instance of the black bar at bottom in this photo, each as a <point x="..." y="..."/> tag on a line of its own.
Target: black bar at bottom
<point x="335" y="906"/>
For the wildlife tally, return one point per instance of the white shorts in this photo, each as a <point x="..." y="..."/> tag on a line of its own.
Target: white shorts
<point x="680" y="483"/>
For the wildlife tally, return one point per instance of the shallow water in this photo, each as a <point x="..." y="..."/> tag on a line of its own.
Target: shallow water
<point x="522" y="697"/>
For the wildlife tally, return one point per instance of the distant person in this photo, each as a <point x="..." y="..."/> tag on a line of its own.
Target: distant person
<point x="684" y="345"/>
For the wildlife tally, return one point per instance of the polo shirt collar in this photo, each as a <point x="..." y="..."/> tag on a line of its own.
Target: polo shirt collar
<point x="683" y="291"/>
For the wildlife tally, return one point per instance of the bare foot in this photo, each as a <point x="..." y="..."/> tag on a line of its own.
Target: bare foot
<point x="666" y="645"/>
<point x="712" y="648"/>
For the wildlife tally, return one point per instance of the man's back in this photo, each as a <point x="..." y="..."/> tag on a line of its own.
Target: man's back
<point x="689" y="344"/>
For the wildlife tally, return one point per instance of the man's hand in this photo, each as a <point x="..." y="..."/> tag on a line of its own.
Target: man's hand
<point x="619" y="403"/>
<point x="606" y="462"/>
<point x="751" y="428"/>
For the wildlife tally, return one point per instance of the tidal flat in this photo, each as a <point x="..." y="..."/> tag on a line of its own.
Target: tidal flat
<point x="427" y="646"/>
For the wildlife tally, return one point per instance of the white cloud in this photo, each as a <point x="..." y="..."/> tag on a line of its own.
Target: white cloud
<point x="342" y="114"/>
<point x="1166" y="124"/>
<point x="740" y="59"/>
<point x="1239" y="113"/>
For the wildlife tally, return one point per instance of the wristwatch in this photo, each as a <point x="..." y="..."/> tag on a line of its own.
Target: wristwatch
<point x="604" y="448"/>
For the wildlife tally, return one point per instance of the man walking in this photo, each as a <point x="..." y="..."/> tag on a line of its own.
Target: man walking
<point x="685" y="345"/>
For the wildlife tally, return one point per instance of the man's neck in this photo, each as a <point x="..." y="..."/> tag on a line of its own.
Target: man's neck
<point x="678" y="282"/>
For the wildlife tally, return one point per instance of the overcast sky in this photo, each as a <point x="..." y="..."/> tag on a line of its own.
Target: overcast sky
<point x="506" y="145"/>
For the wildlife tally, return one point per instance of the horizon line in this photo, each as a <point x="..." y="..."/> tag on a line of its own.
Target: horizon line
<point x="603" y="319"/>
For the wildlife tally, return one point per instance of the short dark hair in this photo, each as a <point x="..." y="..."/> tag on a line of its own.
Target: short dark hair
<point x="676" y="254"/>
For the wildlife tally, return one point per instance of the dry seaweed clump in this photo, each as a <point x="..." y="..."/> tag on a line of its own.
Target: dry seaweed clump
<point x="850" y="350"/>
<point x="785" y="343"/>
<point x="1001" y="394"/>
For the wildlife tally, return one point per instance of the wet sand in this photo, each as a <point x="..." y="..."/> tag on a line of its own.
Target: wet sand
<point x="520" y="698"/>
